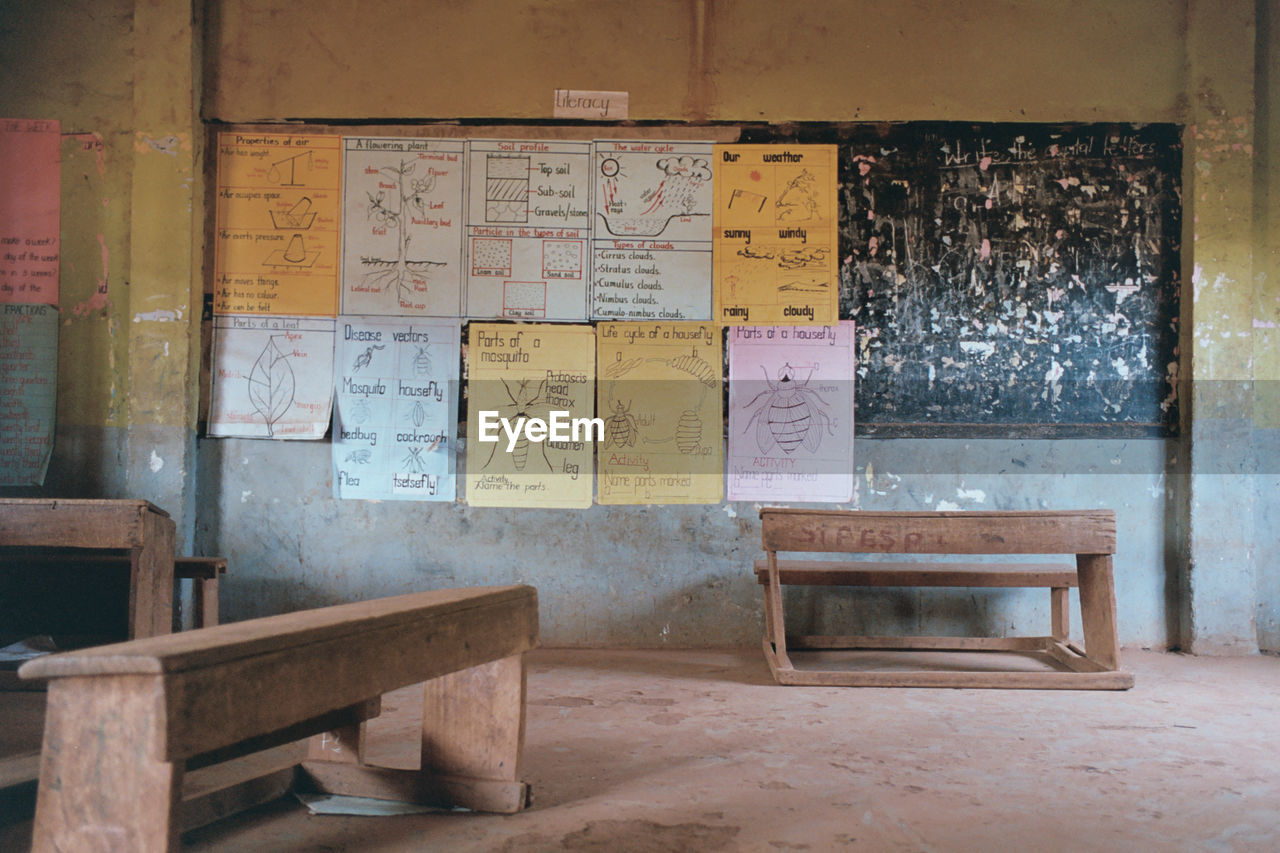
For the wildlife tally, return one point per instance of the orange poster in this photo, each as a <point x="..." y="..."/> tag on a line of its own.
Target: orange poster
<point x="30" y="195"/>
<point x="276" y="241"/>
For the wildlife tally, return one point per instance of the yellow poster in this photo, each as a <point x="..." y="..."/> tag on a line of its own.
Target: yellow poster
<point x="276" y="239"/>
<point x="530" y="426"/>
<point x="774" y="243"/>
<point x="659" y="394"/>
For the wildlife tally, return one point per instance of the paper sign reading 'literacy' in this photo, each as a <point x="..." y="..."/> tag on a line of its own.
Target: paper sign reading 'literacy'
<point x="272" y="377"/>
<point x="28" y="391"/>
<point x="522" y="373"/>
<point x="791" y="413"/>
<point x="651" y="253"/>
<point x="395" y="408"/>
<point x="30" y="201"/>
<point x="528" y="229"/>
<point x="775" y="234"/>
<point x="276" y="240"/>
<point x="659" y="394"/>
<point x="402" y="226"/>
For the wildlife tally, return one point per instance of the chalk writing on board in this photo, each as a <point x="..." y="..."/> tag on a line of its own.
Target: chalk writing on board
<point x="28" y="391"/>
<point x="1012" y="274"/>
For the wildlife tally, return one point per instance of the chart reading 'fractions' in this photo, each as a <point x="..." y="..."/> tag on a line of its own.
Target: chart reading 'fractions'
<point x="395" y="408"/>
<point x="659" y="393"/>
<point x="651" y="250"/>
<point x="272" y="377"/>
<point x="775" y="234"/>
<point x="402" y="226"/>
<point x="791" y="413"/>
<point x="529" y="394"/>
<point x="276" y="241"/>
<point x="528" y="229"/>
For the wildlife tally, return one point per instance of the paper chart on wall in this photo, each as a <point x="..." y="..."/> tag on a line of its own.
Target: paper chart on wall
<point x="528" y="228"/>
<point x="659" y="394"/>
<point x="272" y="377"/>
<point x="529" y="372"/>
<point x="395" y="408"/>
<point x="651" y="249"/>
<point x="402" y="226"/>
<point x="30" y="203"/>
<point x="28" y="392"/>
<point x="791" y="413"/>
<point x="276" y="236"/>
<point x="775" y="242"/>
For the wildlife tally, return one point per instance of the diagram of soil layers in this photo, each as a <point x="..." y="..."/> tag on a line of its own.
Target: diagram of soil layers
<point x="402" y="226"/>
<point x="659" y="394"/>
<point x="528" y="229"/>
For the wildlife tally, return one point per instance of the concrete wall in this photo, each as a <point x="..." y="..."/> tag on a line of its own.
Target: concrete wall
<point x="1192" y="569"/>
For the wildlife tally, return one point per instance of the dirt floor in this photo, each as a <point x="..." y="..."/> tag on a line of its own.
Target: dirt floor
<point x="700" y="751"/>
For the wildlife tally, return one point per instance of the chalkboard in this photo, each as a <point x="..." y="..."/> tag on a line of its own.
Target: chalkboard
<point x="1012" y="279"/>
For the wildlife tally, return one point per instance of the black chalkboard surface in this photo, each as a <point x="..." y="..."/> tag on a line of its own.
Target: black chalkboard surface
<point x="1012" y="279"/>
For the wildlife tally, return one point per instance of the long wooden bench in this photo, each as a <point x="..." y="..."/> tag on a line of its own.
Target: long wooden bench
<point x="1087" y="535"/>
<point x="125" y="721"/>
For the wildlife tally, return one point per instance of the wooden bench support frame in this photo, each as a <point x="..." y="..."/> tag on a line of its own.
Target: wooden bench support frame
<point x="124" y="722"/>
<point x="1088" y="535"/>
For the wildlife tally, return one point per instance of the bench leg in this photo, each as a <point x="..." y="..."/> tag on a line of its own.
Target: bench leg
<point x="101" y="786"/>
<point x="774" y="623"/>
<point x="1098" y="609"/>
<point x="1060" y="612"/>
<point x="473" y="721"/>
<point x="204" y="601"/>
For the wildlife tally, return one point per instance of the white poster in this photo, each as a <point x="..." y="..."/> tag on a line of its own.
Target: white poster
<point x="651" y="250"/>
<point x="791" y="413"/>
<point x="396" y="408"/>
<point x="402" y="227"/>
<point x="528" y="229"/>
<point x="272" y="376"/>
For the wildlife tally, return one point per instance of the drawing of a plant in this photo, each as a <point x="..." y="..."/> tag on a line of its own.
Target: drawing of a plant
<point x="271" y="384"/>
<point x="408" y="276"/>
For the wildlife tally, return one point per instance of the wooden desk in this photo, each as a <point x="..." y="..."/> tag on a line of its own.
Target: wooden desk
<point x="1088" y="536"/>
<point x="140" y="529"/>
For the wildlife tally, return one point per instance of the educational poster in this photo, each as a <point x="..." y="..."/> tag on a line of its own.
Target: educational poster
<point x="28" y="391"/>
<point x="775" y="234"/>
<point x="276" y="241"/>
<point x="791" y="413"/>
<point x="659" y="394"/>
<point x="402" y="227"/>
<point x="395" y="408"/>
<point x="651" y="251"/>
<point x="529" y="409"/>
<point x="528" y="229"/>
<point x="272" y="377"/>
<point x="30" y="202"/>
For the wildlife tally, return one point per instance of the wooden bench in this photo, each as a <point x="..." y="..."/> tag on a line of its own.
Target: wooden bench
<point x="125" y="721"/>
<point x="1088" y="535"/>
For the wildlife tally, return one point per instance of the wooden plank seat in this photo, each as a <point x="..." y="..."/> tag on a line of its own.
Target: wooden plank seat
<point x="125" y="721"/>
<point x="1089" y="536"/>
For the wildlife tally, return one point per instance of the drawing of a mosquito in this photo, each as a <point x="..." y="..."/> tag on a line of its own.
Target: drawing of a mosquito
<point x="521" y="403"/>
<point x="366" y="357"/>
<point x="792" y="413"/>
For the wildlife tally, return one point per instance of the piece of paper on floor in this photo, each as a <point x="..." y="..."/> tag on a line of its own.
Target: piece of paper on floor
<point x="339" y="804"/>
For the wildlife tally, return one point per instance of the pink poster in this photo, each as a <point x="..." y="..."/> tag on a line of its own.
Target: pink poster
<point x="791" y="413"/>
<point x="30" y="193"/>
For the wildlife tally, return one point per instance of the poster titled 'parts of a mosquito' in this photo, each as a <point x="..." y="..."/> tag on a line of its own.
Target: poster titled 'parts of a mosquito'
<point x="402" y="226"/>
<point x="395" y="408"/>
<point x="791" y="413"/>
<point x="276" y="236"/>
<point x="272" y="377"/>
<point x="775" y="234"/>
<point x="530" y="436"/>
<point x="659" y="395"/>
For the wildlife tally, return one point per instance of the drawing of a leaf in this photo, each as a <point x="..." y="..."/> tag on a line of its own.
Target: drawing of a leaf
<point x="271" y="385"/>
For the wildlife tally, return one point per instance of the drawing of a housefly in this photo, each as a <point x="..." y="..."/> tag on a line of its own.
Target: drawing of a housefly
<point x="620" y="427"/>
<point x="522" y="401"/>
<point x="792" y="413"/>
